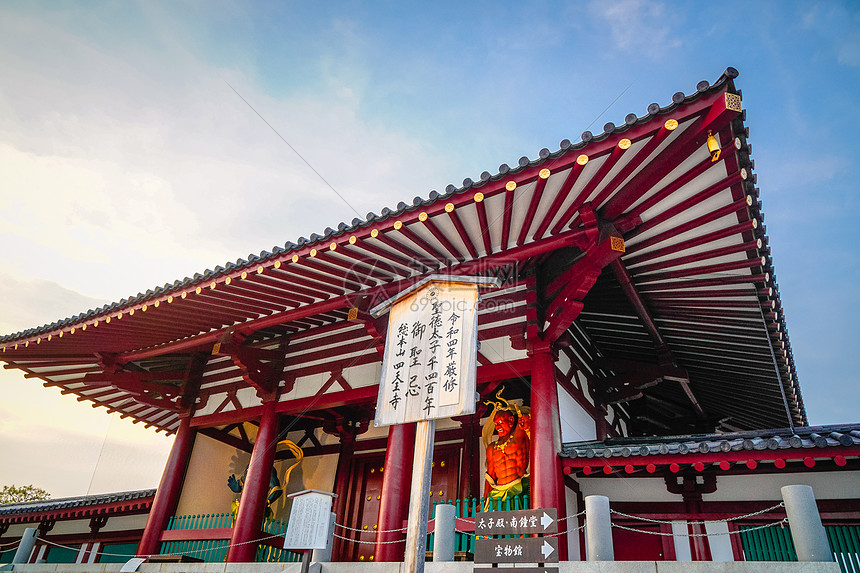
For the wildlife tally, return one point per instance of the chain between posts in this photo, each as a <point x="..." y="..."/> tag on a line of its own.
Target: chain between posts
<point x="735" y="518"/>
<point x="472" y="534"/>
<point x="780" y="522"/>
<point x="189" y="552"/>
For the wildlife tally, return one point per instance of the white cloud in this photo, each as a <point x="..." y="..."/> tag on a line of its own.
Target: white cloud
<point x="130" y="168"/>
<point x="640" y="26"/>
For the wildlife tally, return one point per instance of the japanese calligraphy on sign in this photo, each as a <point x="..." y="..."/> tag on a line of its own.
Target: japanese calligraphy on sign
<point x="522" y="522"/>
<point x="524" y="550"/>
<point x="429" y="367"/>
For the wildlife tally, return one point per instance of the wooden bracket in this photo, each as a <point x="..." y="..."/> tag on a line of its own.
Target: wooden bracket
<point x="264" y="377"/>
<point x="97" y="522"/>
<point x="570" y="288"/>
<point x="630" y="379"/>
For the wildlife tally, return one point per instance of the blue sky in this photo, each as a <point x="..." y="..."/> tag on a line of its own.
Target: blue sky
<point x="127" y="161"/>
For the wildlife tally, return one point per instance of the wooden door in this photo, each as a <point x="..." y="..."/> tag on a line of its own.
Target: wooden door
<point x="363" y="511"/>
<point x="366" y="495"/>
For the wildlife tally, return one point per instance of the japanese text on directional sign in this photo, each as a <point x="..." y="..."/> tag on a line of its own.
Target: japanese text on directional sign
<point x="525" y="550"/>
<point x="522" y="522"/>
<point x="429" y="366"/>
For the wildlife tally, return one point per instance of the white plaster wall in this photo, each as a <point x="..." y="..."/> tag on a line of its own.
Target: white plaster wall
<point x="577" y="425"/>
<point x="317" y="472"/>
<point x="205" y="489"/>
<point x="247" y="397"/>
<point x="373" y="432"/>
<point x="682" y="541"/>
<point x="125" y="522"/>
<point x="17" y="530"/>
<point x="826" y="485"/>
<point x="719" y="541"/>
<point x="68" y="527"/>
<point x="628" y="489"/>
<point x="362" y="375"/>
<point x="500" y="349"/>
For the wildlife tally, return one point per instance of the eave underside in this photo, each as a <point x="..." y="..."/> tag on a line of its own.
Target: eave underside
<point x="692" y="297"/>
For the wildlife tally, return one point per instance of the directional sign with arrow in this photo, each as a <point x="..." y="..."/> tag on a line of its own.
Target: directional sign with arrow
<point x="524" y="522"/>
<point x="524" y="550"/>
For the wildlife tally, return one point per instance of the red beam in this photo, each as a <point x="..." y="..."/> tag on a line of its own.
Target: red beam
<point x="714" y="116"/>
<point x="485" y="226"/>
<point x="440" y="236"/>
<point x="540" y="185"/>
<point x="590" y="186"/>
<point x="209" y="338"/>
<point x="506" y="218"/>
<point x="562" y="194"/>
<point x="461" y="230"/>
<point x="714" y="457"/>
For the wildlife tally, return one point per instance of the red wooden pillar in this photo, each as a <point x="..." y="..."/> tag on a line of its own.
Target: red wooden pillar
<point x="341" y="484"/>
<point x="396" y="487"/>
<point x="469" y="467"/>
<point x="252" y="505"/>
<point x="547" y="485"/>
<point x="167" y="495"/>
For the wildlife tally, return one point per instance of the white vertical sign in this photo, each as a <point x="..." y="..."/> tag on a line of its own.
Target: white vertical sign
<point x="430" y="361"/>
<point x="309" y="520"/>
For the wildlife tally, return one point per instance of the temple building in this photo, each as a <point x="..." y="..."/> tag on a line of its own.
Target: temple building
<point x="634" y="345"/>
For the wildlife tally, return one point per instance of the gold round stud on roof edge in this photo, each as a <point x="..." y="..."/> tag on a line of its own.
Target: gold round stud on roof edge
<point x="353" y="239"/>
<point x="313" y="252"/>
<point x="398" y="225"/>
<point x="671" y="124"/>
<point x="374" y="233"/>
<point x="582" y="159"/>
<point x="511" y="185"/>
<point x="479" y="197"/>
<point x="449" y="207"/>
<point x="422" y="216"/>
<point x="295" y="258"/>
<point x="544" y="173"/>
<point x="332" y="246"/>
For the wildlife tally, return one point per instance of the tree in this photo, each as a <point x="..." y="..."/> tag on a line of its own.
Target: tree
<point x="18" y="494"/>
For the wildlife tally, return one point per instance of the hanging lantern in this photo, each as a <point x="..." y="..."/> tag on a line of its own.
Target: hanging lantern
<point x="713" y="147"/>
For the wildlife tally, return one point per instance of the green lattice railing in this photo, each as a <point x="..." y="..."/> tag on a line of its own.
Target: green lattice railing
<point x="215" y="550"/>
<point x="775" y="544"/>
<point x="465" y="543"/>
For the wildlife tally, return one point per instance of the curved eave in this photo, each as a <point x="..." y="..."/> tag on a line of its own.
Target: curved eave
<point x="651" y="176"/>
<point x="77" y="507"/>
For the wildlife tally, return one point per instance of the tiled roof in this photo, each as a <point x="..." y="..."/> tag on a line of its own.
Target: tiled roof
<point x="72" y="503"/>
<point x="696" y="259"/>
<point x="252" y="261"/>
<point x="834" y="436"/>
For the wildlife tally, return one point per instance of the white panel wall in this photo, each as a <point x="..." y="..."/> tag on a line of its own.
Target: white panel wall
<point x="205" y="489"/>
<point x="826" y="485"/>
<point x="500" y="350"/>
<point x="577" y="425"/>
<point x="682" y="541"/>
<point x="719" y="541"/>
<point x="628" y="489"/>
